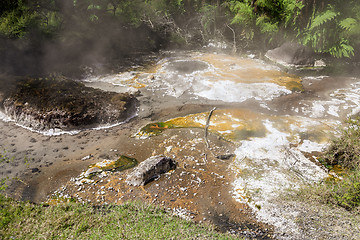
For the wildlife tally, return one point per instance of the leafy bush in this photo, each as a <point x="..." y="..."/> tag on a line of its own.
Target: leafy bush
<point x="264" y="16"/>
<point x="345" y="150"/>
<point x="16" y="22"/>
<point x="346" y="193"/>
<point x="328" y="31"/>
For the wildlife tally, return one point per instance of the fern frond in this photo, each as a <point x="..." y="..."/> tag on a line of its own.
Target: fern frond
<point x="244" y="13"/>
<point x="292" y="11"/>
<point x="266" y="26"/>
<point x="348" y="24"/>
<point x="322" y="18"/>
<point x="208" y="16"/>
<point x="343" y="49"/>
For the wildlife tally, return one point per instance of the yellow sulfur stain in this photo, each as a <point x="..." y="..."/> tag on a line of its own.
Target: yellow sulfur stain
<point x="236" y="125"/>
<point x="225" y="68"/>
<point x="232" y="124"/>
<point x="241" y="70"/>
<point x="147" y="70"/>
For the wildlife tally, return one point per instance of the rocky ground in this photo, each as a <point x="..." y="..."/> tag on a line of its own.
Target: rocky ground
<point x="197" y="189"/>
<point x="41" y="167"/>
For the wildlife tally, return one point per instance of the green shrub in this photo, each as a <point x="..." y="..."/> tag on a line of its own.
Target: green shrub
<point x="16" y="22"/>
<point x="345" y="150"/>
<point x="344" y="193"/>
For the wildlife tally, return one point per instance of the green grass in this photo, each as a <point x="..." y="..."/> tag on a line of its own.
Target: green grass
<point x="343" y="192"/>
<point x="23" y="220"/>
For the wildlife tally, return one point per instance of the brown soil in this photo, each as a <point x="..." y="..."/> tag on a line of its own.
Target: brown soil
<point x="198" y="188"/>
<point x="200" y="184"/>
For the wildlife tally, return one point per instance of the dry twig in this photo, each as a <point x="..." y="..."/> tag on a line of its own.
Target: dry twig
<point x="207" y="127"/>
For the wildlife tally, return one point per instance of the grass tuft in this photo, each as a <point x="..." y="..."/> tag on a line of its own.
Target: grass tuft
<point x="343" y="192"/>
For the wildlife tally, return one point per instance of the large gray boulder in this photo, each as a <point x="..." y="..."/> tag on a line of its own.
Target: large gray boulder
<point x="149" y="169"/>
<point x="292" y="54"/>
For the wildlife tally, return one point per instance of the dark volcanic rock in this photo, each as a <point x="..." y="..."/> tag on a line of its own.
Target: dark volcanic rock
<point x="149" y="169"/>
<point x="293" y="54"/>
<point x="43" y="104"/>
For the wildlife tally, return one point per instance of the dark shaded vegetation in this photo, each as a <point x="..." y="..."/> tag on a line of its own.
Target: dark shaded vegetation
<point x="43" y="36"/>
<point x="40" y="37"/>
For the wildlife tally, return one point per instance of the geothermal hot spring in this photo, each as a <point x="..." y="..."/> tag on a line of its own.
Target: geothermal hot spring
<point x="276" y="121"/>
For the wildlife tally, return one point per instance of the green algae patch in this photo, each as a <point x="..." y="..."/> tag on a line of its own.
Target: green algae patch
<point x="121" y="164"/>
<point x="98" y="169"/>
<point x="243" y="70"/>
<point x="154" y="129"/>
<point x="124" y="163"/>
<point x="231" y="124"/>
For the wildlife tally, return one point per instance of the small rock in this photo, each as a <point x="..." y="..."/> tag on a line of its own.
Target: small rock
<point x="149" y="169"/>
<point x="34" y="170"/>
<point x="225" y="156"/>
<point x="319" y="63"/>
<point x="87" y="157"/>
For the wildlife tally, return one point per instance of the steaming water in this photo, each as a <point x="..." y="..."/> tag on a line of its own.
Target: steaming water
<point x="4" y="117"/>
<point x="210" y="76"/>
<point x="275" y="151"/>
<point x="340" y="103"/>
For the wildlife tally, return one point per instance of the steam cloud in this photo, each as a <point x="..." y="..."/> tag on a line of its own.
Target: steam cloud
<point x="79" y="43"/>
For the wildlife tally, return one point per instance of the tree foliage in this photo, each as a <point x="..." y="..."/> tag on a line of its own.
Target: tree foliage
<point x="332" y="30"/>
<point x="264" y="19"/>
<point x="327" y="28"/>
<point x="16" y="19"/>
